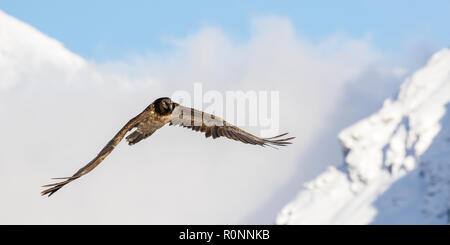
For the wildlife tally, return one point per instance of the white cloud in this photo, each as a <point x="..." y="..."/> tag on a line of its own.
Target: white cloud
<point x="57" y="116"/>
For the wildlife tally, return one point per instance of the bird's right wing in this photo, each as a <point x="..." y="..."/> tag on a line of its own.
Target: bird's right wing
<point x="96" y="161"/>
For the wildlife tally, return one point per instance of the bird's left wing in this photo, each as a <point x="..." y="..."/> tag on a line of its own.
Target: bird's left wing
<point x="96" y="161"/>
<point x="217" y="127"/>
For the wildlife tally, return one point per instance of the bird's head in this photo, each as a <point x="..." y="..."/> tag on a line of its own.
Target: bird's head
<point x="164" y="105"/>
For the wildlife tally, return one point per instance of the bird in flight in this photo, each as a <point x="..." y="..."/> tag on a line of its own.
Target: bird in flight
<point x="161" y="112"/>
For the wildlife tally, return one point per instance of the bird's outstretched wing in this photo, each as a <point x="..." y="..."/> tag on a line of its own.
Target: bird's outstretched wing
<point x="217" y="127"/>
<point x="96" y="161"/>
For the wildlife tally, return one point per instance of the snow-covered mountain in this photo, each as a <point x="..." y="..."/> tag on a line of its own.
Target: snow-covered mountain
<point x="27" y="54"/>
<point x="396" y="162"/>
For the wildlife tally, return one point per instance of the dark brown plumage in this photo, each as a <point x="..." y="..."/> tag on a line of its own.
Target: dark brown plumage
<point x="155" y="116"/>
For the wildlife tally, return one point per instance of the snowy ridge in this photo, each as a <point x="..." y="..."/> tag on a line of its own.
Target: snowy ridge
<point x="397" y="161"/>
<point x="25" y="52"/>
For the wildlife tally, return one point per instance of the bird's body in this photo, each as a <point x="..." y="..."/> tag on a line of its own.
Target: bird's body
<point x="149" y="122"/>
<point x="161" y="112"/>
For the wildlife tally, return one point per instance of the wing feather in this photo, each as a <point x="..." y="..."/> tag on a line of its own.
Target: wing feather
<point x="217" y="127"/>
<point x="96" y="161"/>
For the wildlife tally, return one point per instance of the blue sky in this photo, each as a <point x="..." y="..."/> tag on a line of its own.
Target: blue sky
<point x="106" y="30"/>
